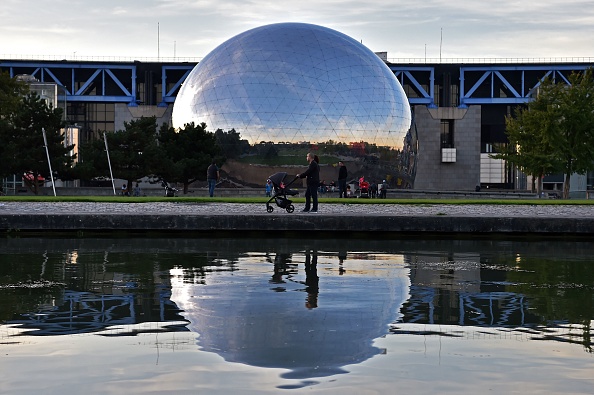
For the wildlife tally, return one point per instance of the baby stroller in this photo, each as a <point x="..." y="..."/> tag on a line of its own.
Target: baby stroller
<point x="280" y="192"/>
<point x="169" y="190"/>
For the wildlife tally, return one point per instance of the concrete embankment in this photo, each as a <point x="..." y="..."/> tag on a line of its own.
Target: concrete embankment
<point x="245" y="219"/>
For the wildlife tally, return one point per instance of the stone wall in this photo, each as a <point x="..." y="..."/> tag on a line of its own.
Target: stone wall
<point x="464" y="173"/>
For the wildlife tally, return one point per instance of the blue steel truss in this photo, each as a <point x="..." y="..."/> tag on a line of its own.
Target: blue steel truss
<point x="83" y="82"/>
<point x="172" y="87"/>
<point x="117" y="82"/>
<point x="419" y="83"/>
<point x="500" y="84"/>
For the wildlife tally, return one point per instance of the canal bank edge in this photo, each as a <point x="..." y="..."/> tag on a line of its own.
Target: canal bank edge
<point x="276" y="225"/>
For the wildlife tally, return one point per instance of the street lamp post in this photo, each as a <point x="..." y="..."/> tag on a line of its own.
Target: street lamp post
<point x="48" y="161"/>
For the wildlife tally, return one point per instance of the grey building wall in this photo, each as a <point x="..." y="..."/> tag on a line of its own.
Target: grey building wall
<point x="464" y="174"/>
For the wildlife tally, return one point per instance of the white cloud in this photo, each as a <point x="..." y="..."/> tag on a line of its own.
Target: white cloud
<point x="470" y="28"/>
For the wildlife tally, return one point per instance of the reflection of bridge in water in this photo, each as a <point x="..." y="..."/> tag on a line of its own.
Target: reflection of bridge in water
<point x="485" y="309"/>
<point x="86" y="312"/>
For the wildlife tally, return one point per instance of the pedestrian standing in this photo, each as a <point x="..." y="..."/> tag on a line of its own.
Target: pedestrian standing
<point x="312" y="174"/>
<point x="384" y="190"/>
<point x="373" y="189"/>
<point x="342" y="180"/>
<point x="212" y="176"/>
<point x="268" y="188"/>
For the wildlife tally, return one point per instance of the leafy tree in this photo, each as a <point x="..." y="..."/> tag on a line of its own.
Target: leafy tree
<point x="11" y="93"/>
<point x="530" y="134"/>
<point x="575" y="139"/>
<point x="230" y="143"/>
<point x="131" y="152"/>
<point x="554" y="133"/>
<point x="23" y="149"/>
<point x="187" y="153"/>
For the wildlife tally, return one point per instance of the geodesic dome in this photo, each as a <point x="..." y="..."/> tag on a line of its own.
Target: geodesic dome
<point x="294" y="82"/>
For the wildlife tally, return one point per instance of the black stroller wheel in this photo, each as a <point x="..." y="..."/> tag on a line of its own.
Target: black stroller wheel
<point x="290" y="208"/>
<point x="269" y="209"/>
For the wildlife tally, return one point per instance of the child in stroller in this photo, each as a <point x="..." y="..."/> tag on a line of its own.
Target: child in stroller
<point x="280" y="192"/>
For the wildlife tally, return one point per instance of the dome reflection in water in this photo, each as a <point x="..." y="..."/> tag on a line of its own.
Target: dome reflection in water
<point x="294" y="319"/>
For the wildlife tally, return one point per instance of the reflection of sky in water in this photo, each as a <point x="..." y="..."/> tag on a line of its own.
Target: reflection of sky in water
<point x="422" y="316"/>
<point x="272" y="324"/>
<point x="474" y="360"/>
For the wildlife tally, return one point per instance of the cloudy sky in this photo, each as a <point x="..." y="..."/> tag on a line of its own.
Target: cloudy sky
<point x="192" y="28"/>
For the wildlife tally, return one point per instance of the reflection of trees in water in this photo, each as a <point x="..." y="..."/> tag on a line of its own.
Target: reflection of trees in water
<point x="509" y="289"/>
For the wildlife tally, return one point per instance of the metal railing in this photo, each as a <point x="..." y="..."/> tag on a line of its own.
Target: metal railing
<point x="395" y="60"/>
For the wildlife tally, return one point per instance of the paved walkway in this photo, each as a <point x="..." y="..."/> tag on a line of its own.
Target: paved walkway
<point x="549" y="211"/>
<point x="331" y="218"/>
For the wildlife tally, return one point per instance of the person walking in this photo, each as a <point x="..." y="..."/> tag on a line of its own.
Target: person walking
<point x="313" y="180"/>
<point x="212" y="176"/>
<point x="384" y="190"/>
<point x="342" y="180"/>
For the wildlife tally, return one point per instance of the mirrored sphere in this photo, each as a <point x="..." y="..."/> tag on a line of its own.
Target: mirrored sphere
<point x="291" y="83"/>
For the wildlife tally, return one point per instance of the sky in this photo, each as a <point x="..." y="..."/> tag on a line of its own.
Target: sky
<point x="190" y="29"/>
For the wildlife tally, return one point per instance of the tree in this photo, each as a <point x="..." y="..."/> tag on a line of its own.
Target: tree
<point x="23" y="149"/>
<point x="186" y="154"/>
<point x="554" y="133"/>
<point x="131" y="152"/>
<point x="529" y="133"/>
<point x="575" y="139"/>
<point x="11" y="93"/>
<point x="230" y="143"/>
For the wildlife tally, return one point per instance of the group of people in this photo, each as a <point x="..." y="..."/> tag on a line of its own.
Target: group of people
<point x="212" y="177"/>
<point x="135" y="192"/>
<point x="373" y="190"/>
<point x="312" y="174"/>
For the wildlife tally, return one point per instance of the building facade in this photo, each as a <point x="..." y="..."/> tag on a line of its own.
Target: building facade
<point x="459" y="109"/>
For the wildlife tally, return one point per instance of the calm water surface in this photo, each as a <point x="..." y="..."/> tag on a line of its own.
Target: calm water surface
<point x="222" y="316"/>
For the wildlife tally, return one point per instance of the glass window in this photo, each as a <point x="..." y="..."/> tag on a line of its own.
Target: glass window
<point x="447" y="133"/>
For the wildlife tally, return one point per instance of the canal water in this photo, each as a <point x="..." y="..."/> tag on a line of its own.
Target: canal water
<point x="223" y="316"/>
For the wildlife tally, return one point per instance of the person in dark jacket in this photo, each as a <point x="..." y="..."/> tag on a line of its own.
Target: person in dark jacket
<point x="312" y="174"/>
<point x="212" y="176"/>
<point x="342" y="180"/>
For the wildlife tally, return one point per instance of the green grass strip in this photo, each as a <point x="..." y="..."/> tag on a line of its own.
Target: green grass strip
<point x="262" y="200"/>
